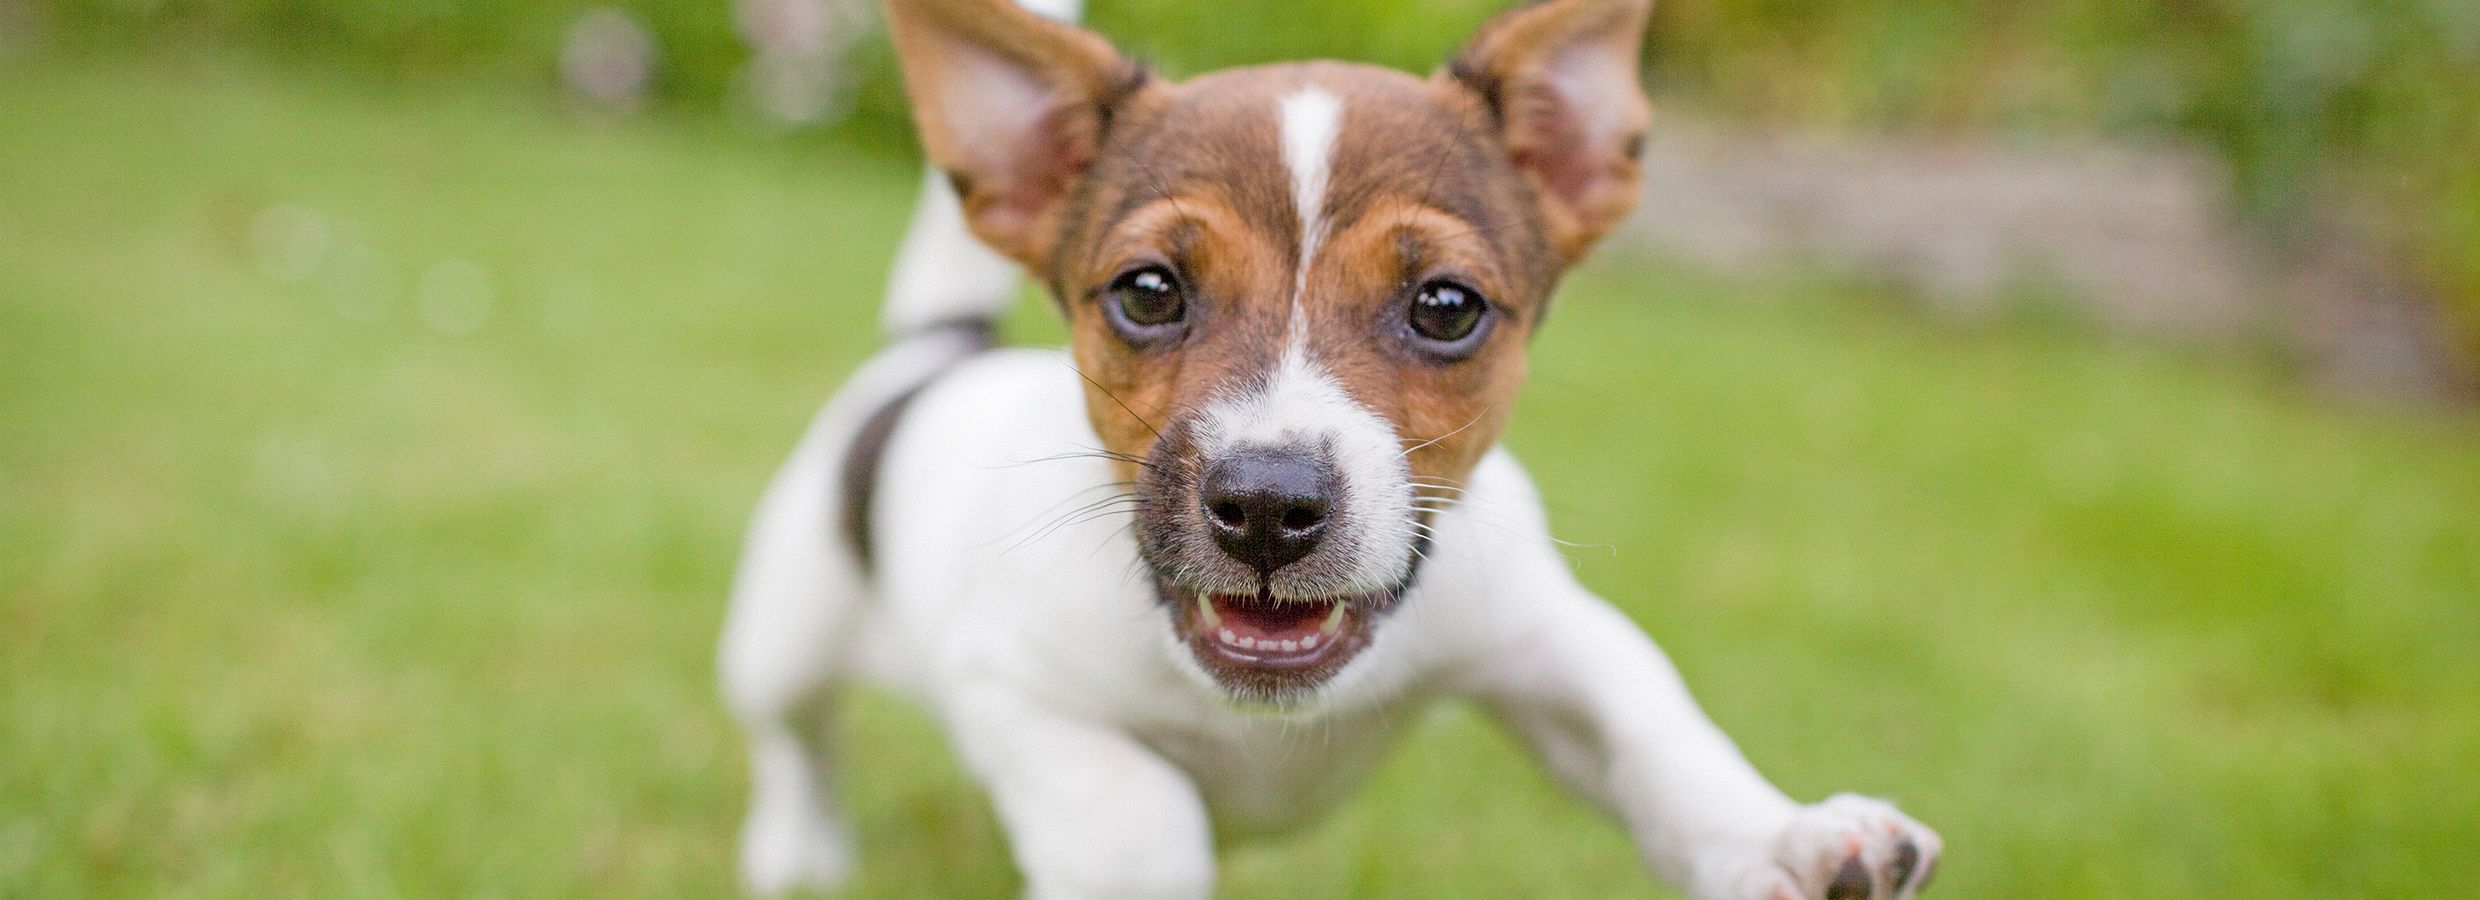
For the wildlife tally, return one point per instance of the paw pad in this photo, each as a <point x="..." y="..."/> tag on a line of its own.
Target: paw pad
<point x="1906" y="858"/>
<point x="1851" y="882"/>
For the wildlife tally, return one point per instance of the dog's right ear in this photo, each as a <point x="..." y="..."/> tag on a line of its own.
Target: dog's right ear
<point x="1012" y="106"/>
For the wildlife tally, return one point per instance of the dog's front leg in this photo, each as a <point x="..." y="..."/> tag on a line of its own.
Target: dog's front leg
<point x="1610" y="716"/>
<point x="1090" y="811"/>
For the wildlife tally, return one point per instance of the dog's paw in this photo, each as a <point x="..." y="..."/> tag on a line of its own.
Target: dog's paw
<point x="1851" y="847"/>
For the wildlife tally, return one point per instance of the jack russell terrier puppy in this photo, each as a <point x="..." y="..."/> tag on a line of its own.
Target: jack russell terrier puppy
<point x="1191" y="577"/>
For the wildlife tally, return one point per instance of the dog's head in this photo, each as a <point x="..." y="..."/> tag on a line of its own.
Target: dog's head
<point x="1300" y="294"/>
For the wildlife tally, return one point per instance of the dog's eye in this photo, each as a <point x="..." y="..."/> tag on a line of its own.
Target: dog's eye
<point x="1148" y="297"/>
<point x="1446" y="312"/>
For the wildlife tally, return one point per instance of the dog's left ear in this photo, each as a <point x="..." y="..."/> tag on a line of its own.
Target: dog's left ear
<point x="1561" y="78"/>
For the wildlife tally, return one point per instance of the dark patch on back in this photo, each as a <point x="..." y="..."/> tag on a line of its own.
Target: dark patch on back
<point x="869" y="444"/>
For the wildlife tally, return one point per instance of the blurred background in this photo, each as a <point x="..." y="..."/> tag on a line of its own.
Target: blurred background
<point x="2056" y="415"/>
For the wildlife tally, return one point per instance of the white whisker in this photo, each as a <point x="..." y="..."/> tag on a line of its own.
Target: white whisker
<point x="1408" y="451"/>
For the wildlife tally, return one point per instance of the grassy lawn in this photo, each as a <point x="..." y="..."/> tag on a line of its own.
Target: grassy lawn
<point x="372" y="461"/>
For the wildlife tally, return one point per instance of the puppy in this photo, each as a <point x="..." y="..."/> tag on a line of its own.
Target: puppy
<point x="1191" y="577"/>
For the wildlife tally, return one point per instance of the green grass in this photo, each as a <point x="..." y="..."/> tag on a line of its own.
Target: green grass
<point x="301" y="595"/>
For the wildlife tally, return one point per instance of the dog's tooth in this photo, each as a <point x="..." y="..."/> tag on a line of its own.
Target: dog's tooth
<point x="1334" y="622"/>
<point x="1291" y="646"/>
<point x="1229" y="638"/>
<point x="1248" y="643"/>
<point x="1206" y="613"/>
<point x="1309" y="643"/>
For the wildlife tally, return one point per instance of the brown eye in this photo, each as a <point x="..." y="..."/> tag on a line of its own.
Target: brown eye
<point x="1148" y="298"/>
<point x="1446" y="312"/>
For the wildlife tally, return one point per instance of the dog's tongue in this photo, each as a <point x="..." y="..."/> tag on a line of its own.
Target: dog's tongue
<point x="1267" y="621"/>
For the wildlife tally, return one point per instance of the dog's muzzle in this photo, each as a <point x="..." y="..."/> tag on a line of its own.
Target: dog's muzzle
<point x="1265" y="564"/>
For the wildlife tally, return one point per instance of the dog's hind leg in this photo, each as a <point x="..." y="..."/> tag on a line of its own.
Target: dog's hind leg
<point x="797" y="602"/>
<point x="802" y="598"/>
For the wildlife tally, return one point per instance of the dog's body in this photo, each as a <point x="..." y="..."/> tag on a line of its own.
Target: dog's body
<point x="1190" y="579"/>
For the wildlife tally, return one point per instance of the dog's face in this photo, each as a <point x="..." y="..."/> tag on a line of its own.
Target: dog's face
<point x="1300" y="295"/>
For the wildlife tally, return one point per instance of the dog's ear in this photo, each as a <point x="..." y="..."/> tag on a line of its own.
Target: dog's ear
<point x="1561" y="79"/>
<point x="1012" y="106"/>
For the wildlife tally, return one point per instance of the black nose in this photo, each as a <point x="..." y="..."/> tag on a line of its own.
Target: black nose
<point x="1267" y="508"/>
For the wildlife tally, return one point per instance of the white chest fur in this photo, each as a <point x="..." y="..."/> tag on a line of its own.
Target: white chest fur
<point x="995" y="570"/>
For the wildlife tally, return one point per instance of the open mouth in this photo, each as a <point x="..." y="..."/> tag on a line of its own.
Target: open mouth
<point x="1267" y="631"/>
<point x="1267" y="648"/>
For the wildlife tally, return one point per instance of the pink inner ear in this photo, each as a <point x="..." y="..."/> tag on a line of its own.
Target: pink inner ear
<point x="1554" y="143"/>
<point x="1035" y="173"/>
<point x="1554" y="151"/>
<point x="1572" y="119"/>
<point x="1017" y="145"/>
<point x="995" y="109"/>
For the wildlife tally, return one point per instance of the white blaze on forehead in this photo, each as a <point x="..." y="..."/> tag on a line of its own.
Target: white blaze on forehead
<point x="1310" y="117"/>
<point x="1301" y="405"/>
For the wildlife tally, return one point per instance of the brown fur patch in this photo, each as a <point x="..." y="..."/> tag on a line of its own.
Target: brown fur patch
<point x="1418" y="189"/>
